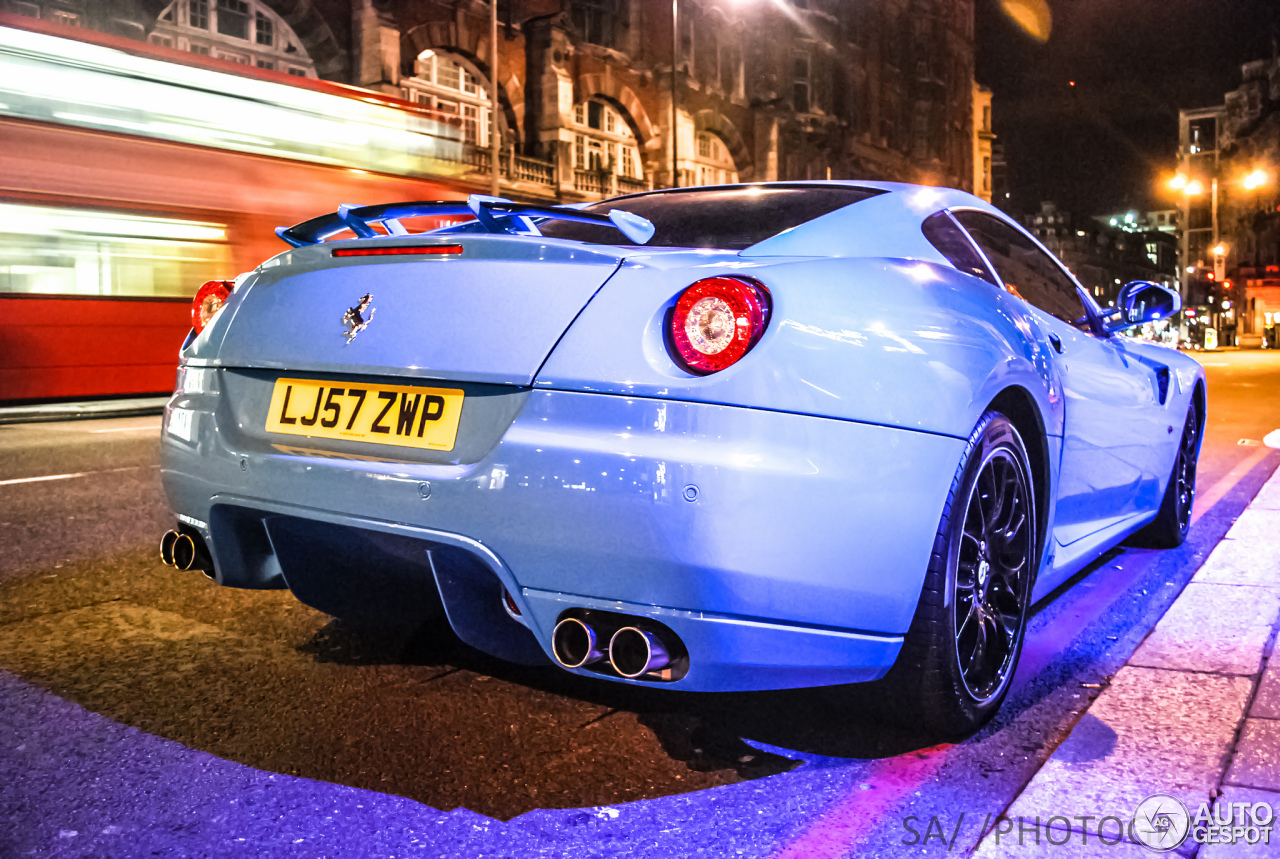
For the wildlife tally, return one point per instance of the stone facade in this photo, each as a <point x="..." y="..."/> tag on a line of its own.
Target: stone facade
<point x="795" y="89"/>
<point x="983" y="138"/>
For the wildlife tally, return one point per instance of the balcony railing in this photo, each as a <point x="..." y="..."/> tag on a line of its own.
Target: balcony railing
<point x="524" y="169"/>
<point x="520" y="169"/>
<point x="598" y="182"/>
<point x="631" y="185"/>
<point x="590" y="182"/>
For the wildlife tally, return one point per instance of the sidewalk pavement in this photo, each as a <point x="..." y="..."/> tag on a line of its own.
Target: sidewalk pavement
<point x="124" y="408"/>
<point x="1194" y="714"/>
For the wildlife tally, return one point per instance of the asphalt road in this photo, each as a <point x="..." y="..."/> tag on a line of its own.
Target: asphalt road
<point x="255" y="678"/>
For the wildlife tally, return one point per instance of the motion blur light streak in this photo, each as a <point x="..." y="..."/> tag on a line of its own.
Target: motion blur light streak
<point x="93" y="86"/>
<point x="41" y="220"/>
<point x="82" y="252"/>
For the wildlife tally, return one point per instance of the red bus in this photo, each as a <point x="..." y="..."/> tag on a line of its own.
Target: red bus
<point x="130" y="174"/>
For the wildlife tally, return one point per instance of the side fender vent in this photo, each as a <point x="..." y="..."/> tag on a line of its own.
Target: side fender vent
<point x="1162" y="383"/>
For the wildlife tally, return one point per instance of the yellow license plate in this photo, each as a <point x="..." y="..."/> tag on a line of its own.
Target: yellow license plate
<point x="378" y="414"/>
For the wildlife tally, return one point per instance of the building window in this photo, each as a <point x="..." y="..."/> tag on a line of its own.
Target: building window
<point x="1203" y="133"/>
<point x="920" y="133"/>
<point x="233" y="18"/>
<point x="446" y="86"/>
<point x="161" y="40"/>
<point x="253" y="33"/>
<point x="986" y="173"/>
<point x="800" y="81"/>
<point x="730" y="62"/>
<point x="198" y="14"/>
<point x="297" y="72"/>
<point x="67" y="19"/>
<point x="202" y="50"/>
<point x="263" y="29"/>
<point x="714" y="164"/>
<point x="603" y="141"/>
<point x="599" y="22"/>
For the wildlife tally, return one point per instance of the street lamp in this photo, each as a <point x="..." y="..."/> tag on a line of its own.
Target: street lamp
<point x="1256" y="180"/>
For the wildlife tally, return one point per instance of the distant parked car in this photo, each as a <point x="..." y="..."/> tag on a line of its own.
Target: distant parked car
<point x="726" y="438"/>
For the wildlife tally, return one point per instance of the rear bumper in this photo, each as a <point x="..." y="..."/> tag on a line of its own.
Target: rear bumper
<point x="784" y="550"/>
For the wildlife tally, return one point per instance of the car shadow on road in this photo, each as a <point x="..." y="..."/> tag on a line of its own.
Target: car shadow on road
<point x="704" y="730"/>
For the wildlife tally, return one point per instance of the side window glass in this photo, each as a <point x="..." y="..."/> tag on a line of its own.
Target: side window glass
<point x="943" y="233"/>
<point x="1027" y="271"/>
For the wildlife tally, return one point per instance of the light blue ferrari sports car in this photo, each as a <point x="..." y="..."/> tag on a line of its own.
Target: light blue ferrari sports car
<point x="728" y="438"/>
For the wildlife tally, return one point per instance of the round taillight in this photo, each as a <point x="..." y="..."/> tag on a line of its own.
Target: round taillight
<point x="209" y="300"/>
<point x="716" y="321"/>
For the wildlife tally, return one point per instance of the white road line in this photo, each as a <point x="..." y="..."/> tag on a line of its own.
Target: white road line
<point x="68" y="476"/>
<point x="155" y="428"/>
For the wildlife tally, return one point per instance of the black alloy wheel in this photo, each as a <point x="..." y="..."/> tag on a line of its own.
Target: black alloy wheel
<point x="959" y="656"/>
<point x="991" y="579"/>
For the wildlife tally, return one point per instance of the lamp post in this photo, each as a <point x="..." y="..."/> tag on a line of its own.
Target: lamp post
<point x="1190" y="188"/>
<point x="675" y="56"/>
<point x="495" y="138"/>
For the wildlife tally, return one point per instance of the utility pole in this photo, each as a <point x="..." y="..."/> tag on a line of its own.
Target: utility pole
<point x="675" y="55"/>
<point x="495" y="137"/>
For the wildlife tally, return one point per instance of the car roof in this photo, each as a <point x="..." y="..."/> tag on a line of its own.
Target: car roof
<point x="885" y="225"/>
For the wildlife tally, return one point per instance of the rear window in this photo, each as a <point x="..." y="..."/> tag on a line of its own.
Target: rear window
<point x="730" y="218"/>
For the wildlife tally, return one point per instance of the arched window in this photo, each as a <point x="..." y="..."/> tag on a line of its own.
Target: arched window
<point x="444" y="84"/>
<point x="603" y="141"/>
<point x="713" y="165"/>
<point x="241" y="31"/>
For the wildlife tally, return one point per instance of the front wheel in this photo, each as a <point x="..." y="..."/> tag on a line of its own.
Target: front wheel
<point x="959" y="656"/>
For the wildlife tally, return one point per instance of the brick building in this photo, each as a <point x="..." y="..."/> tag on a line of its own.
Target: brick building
<point x="801" y="89"/>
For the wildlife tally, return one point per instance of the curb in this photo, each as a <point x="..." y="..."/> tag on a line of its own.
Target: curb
<point x="133" y="407"/>
<point x="1192" y="716"/>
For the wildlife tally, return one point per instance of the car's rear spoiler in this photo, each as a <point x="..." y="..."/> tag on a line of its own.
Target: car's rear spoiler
<point x="495" y="214"/>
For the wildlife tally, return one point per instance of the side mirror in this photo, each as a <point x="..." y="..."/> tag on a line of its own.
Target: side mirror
<point x="1142" y="301"/>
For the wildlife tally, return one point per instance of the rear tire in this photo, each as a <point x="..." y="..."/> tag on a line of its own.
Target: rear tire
<point x="1169" y="529"/>
<point x="959" y="656"/>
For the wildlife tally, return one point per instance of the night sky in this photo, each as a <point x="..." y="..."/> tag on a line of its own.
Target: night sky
<point x="1099" y="147"/>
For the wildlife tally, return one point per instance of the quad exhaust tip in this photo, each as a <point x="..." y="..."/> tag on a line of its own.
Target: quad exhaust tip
<point x="166" y="547"/>
<point x="574" y="644"/>
<point x="633" y="652"/>
<point x="185" y="552"/>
